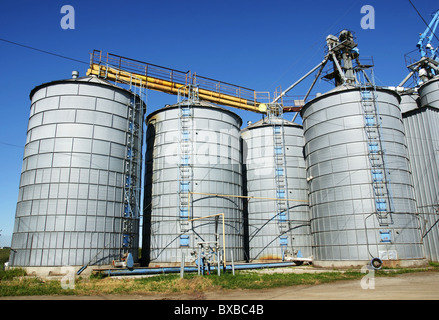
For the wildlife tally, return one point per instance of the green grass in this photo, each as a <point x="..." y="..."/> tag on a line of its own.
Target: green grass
<point x="171" y="283"/>
<point x="260" y="281"/>
<point x="31" y="287"/>
<point x="11" y="274"/>
<point x="255" y="280"/>
<point x="4" y="257"/>
<point x="13" y="282"/>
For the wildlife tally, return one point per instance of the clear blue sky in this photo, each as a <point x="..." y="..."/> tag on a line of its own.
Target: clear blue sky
<point x="256" y="44"/>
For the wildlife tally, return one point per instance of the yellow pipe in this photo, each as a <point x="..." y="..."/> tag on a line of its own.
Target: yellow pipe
<point x="171" y="87"/>
<point x="114" y="75"/>
<point x="223" y="96"/>
<point x="169" y="83"/>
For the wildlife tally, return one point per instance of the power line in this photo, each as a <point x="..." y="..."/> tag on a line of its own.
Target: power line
<point x="43" y="51"/>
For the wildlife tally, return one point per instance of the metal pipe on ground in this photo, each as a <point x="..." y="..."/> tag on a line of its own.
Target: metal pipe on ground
<point x="147" y="271"/>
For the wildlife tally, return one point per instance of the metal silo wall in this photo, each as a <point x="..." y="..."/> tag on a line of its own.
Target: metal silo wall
<point x="258" y="158"/>
<point x="71" y="193"/>
<point x="344" y="226"/>
<point x="429" y="93"/>
<point x="216" y="169"/>
<point x="409" y="101"/>
<point x="422" y="131"/>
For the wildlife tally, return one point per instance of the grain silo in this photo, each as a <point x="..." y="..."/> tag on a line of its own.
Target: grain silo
<point x="193" y="170"/>
<point x="421" y="122"/>
<point x="361" y="191"/>
<point x="278" y="215"/>
<point x="409" y="101"/>
<point x="80" y="185"/>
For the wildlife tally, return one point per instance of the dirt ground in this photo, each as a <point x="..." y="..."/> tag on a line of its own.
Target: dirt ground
<point x="411" y="286"/>
<point x="421" y="286"/>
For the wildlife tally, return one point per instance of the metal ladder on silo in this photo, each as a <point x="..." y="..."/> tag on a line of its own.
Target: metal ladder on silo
<point x="185" y="156"/>
<point x="376" y="154"/>
<point x="282" y="206"/>
<point x="133" y="156"/>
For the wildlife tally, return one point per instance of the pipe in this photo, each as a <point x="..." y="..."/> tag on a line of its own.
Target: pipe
<point x="166" y="85"/>
<point x="248" y="197"/>
<point x="301" y="79"/>
<point x="406" y="78"/>
<point x="224" y="230"/>
<point x="146" y="271"/>
<point x="337" y="64"/>
<point x="315" y="80"/>
<point x="182" y="266"/>
<point x="172" y="87"/>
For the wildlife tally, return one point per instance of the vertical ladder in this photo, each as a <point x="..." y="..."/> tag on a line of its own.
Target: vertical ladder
<point x="281" y="185"/>
<point x="185" y="165"/>
<point x="376" y="154"/>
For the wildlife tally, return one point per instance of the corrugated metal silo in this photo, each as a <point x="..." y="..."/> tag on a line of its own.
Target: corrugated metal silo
<point x="193" y="154"/>
<point x="81" y="170"/>
<point x="421" y="123"/>
<point x="409" y="102"/>
<point x="275" y="168"/>
<point x="429" y="93"/>
<point x="361" y="190"/>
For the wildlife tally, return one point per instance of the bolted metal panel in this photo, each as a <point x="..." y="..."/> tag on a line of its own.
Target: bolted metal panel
<point x="409" y="102"/>
<point x="345" y="223"/>
<point x="429" y="93"/>
<point x="71" y="195"/>
<point x="213" y="167"/>
<point x="422" y="131"/>
<point x="267" y="239"/>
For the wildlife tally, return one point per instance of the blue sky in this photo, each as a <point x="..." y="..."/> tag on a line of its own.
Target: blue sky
<point x="256" y="44"/>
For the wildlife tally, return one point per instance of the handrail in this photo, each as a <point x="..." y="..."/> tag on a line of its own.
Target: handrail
<point x="120" y="69"/>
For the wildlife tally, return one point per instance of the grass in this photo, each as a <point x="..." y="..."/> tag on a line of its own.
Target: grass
<point x="11" y="274"/>
<point x="15" y="282"/>
<point x="4" y="256"/>
<point x="31" y="287"/>
<point x="193" y="284"/>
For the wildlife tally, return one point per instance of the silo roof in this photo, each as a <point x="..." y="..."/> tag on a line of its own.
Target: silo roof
<point x="434" y="79"/>
<point x="269" y="122"/>
<point x="345" y="88"/>
<point x="199" y="103"/>
<point x="87" y="79"/>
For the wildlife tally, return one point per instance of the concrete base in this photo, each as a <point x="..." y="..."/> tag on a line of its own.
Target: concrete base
<point x="344" y="264"/>
<point x="58" y="272"/>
